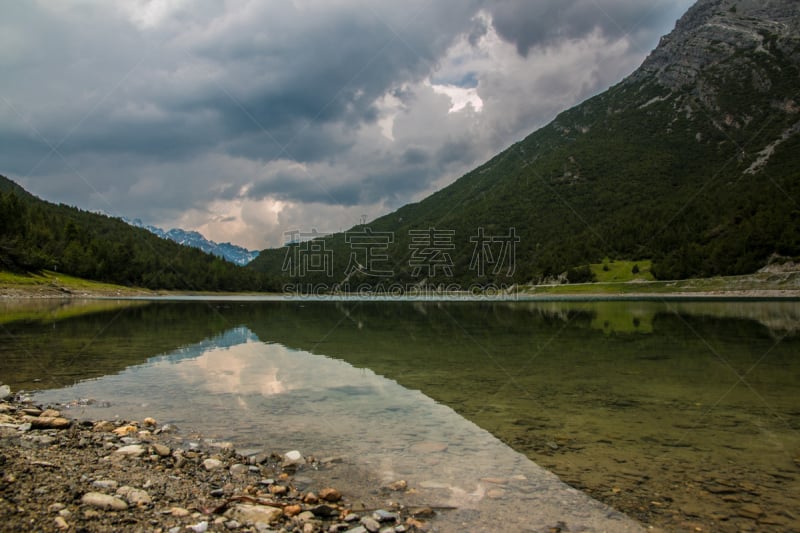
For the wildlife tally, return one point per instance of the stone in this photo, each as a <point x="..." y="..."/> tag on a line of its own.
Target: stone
<point x="423" y="512"/>
<point x="161" y="450"/>
<point x="131" y="450"/>
<point x="212" y="464"/>
<point x="370" y="524"/>
<point x="5" y="392"/>
<point x="239" y="469"/>
<point x="103" y="426"/>
<point x="305" y="516"/>
<point x="292" y="510"/>
<point x="200" y="527"/>
<point x="251" y="515"/>
<point x="352" y="517"/>
<point x="293" y="457"/>
<point x="357" y="529"/>
<point x="47" y="422"/>
<point x="310" y="498"/>
<point x="60" y="523"/>
<point x="135" y="496"/>
<point x="179" y="512"/>
<point x="150" y="422"/>
<point x="125" y="430"/>
<point x="382" y="515"/>
<point x="400" y="484"/>
<point x="232" y="524"/>
<point x="103" y="501"/>
<point x="107" y="484"/>
<point x="55" y="507"/>
<point x="50" y="413"/>
<point x="329" y="494"/>
<point x="324" y="510"/>
<point x="278" y="490"/>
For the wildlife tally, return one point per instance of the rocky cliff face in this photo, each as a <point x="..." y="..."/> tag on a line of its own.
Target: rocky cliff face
<point x="715" y="31"/>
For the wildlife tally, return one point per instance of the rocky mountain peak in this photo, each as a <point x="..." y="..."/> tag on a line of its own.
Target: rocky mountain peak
<point x="713" y="31"/>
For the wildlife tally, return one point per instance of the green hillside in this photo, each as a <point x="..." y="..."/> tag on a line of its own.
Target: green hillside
<point x="692" y="162"/>
<point x="37" y="235"/>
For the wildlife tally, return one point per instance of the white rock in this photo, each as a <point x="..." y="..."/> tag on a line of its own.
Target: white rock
<point x="5" y="392"/>
<point x="293" y="457"/>
<point x="132" y="450"/>
<point x="103" y="501"/>
<point x="200" y="527"/>
<point x="212" y="464"/>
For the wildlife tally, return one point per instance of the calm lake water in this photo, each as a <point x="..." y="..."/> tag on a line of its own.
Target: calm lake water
<point x="677" y="413"/>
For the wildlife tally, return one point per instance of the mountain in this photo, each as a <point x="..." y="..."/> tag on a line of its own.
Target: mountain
<point x="37" y="235"/>
<point x="231" y="252"/>
<point x="692" y="161"/>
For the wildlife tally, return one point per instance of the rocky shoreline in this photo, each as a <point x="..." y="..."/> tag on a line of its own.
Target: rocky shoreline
<point x="60" y="474"/>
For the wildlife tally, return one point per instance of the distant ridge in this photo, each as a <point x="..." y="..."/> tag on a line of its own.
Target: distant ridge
<point x="230" y="252"/>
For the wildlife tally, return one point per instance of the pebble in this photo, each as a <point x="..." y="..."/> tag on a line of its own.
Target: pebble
<point x="108" y="484"/>
<point x="278" y="490"/>
<point x="50" y="413"/>
<point x="179" y="512"/>
<point x="330" y="494"/>
<point x="131" y="450"/>
<point x="103" y="501"/>
<point x="305" y="516"/>
<point x="135" y="496"/>
<point x="5" y="392"/>
<point x="200" y="527"/>
<point x="61" y="523"/>
<point x="371" y="524"/>
<point x="55" y="507"/>
<point x="125" y="430"/>
<point x="212" y="464"/>
<point x="384" y="516"/>
<point x="161" y="450"/>
<point x="293" y="457"/>
<point x="292" y="510"/>
<point x="254" y="514"/>
<point x="48" y="422"/>
<point x="400" y="484"/>
<point x="103" y="426"/>
<point x="148" y="421"/>
<point x="239" y="469"/>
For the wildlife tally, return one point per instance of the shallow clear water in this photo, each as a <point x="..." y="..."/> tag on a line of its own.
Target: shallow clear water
<point x="643" y="404"/>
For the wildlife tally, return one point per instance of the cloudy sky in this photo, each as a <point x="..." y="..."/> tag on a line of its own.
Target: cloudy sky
<point x="248" y="119"/>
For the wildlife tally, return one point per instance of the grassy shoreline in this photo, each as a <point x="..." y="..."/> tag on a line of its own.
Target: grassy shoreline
<point x="48" y="284"/>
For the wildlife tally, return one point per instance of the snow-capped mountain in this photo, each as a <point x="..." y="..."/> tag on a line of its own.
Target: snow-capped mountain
<point x="230" y="252"/>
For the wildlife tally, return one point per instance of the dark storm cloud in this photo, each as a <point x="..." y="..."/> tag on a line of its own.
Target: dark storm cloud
<point x="155" y="107"/>
<point x="528" y="24"/>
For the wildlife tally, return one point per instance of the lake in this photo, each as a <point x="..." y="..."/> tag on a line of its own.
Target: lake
<point x="678" y="413"/>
